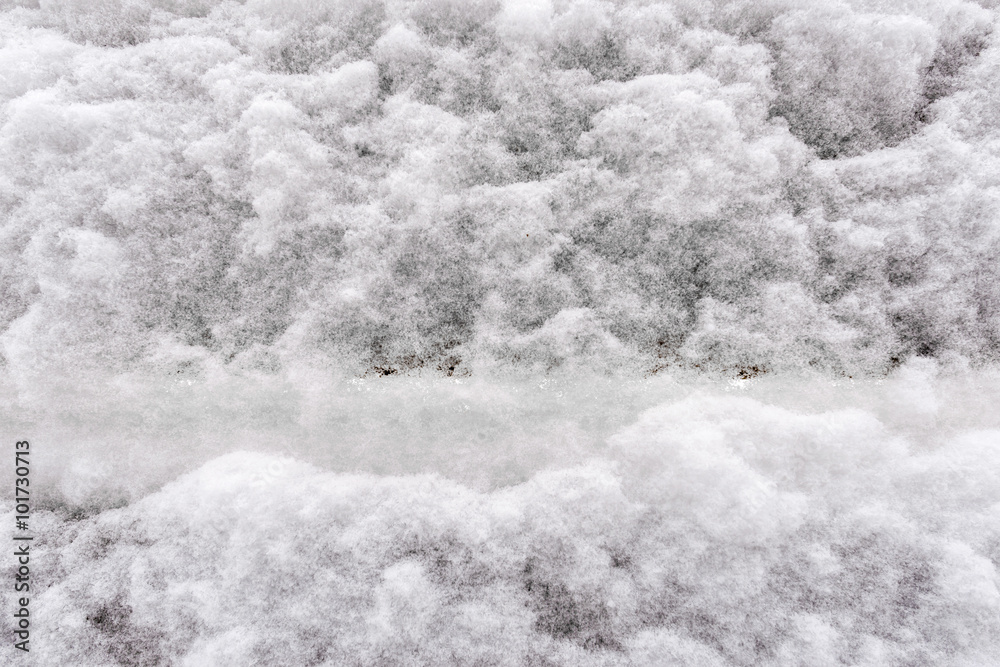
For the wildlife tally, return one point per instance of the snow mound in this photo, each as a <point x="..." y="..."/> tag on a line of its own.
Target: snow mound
<point x="716" y="530"/>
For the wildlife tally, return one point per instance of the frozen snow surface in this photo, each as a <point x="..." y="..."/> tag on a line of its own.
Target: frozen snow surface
<point x="504" y="332"/>
<point x="763" y="523"/>
<point x="576" y="521"/>
<point x="453" y="185"/>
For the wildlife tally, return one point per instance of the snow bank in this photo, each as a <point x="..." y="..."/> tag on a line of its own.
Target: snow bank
<point x="572" y="332"/>
<point x="755" y="526"/>
<point x="390" y="186"/>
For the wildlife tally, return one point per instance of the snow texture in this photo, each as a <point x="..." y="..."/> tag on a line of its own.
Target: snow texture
<point x="504" y="332"/>
<point x="737" y="526"/>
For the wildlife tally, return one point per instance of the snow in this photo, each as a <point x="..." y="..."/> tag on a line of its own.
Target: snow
<point x="504" y="332"/>
<point x="742" y="526"/>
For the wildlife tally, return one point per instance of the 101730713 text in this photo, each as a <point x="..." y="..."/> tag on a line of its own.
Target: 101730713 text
<point x="22" y="547"/>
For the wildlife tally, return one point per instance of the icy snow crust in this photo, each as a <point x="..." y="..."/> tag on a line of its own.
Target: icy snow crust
<point x="767" y="522"/>
<point x="504" y="332"/>
<point x="747" y="526"/>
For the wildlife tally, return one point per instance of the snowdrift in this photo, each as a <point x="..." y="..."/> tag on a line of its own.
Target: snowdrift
<point x="505" y="332"/>
<point x="452" y="186"/>
<point x="743" y="527"/>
